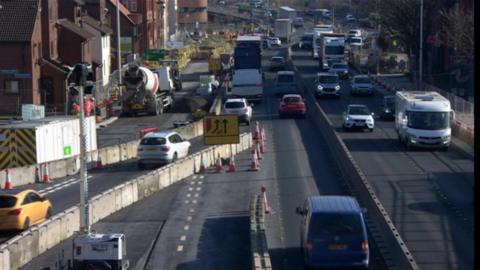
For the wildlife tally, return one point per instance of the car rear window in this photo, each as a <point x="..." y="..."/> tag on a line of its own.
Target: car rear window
<point x="335" y="224"/>
<point x="356" y="40"/>
<point x="7" y="201"/>
<point x="339" y="66"/>
<point x="234" y="105"/>
<point x="277" y="59"/>
<point x="307" y="38"/>
<point x="362" y="80"/>
<point x="291" y="99"/>
<point x="285" y="78"/>
<point x="153" y="141"/>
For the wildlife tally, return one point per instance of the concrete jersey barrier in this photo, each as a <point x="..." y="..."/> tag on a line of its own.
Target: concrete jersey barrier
<point x="258" y="239"/>
<point x="21" y="249"/>
<point x="398" y="252"/>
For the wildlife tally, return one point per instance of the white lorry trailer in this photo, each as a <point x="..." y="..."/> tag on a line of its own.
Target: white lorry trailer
<point x="331" y="49"/>
<point x="318" y="30"/>
<point x="285" y="12"/>
<point x="283" y="29"/>
<point x="423" y="119"/>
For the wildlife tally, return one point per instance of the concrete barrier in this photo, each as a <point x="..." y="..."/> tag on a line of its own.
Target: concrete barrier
<point x="398" y="252"/>
<point x="21" y="249"/>
<point x="258" y="240"/>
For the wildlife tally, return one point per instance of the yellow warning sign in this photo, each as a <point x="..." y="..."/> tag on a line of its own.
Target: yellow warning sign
<point x="220" y="129"/>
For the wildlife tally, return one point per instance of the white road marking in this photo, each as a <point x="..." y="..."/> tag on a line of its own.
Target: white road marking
<point x="180" y="248"/>
<point x="187" y="201"/>
<point x="201" y="176"/>
<point x="194" y="201"/>
<point x="192" y="183"/>
<point x="191" y="210"/>
<point x="188" y="195"/>
<point x="200" y="182"/>
<point x="189" y="218"/>
<point x="196" y="195"/>
<point x="190" y="188"/>
<point x="199" y="188"/>
<point x="183" y="238"/>
<point x="186" y="227"/>
<point x="194" y="177"/>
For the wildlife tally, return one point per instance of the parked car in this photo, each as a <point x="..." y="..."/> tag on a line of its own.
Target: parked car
<point x="21" y="209"/>
<point x="358" y="116"/>
<point x="161" y="148"/>
<point x="350" y="18"/>
<point x="341" y="69"/>
<point x="285" y="83"/>
<point x="277" y="63"/>
<point x="388" y="108"/>
<point x="333" y="233"/>
<point x="362" y="85"/>
<point x="307" y="41"/>
<point x="240" y="107"/>
<point x="292" y="104"/>
<point x="327" y="84"/>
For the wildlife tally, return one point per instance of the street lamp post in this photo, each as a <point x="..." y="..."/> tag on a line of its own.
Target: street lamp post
<point x="119" y="60"/>
<point x="420" y="54"/>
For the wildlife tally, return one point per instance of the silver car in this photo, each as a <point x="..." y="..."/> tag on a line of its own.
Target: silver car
<point x="162" y="148"/>
<point x="362" y="85"/>
<point x="327" y="84"/>
<point x="341" y="69"/>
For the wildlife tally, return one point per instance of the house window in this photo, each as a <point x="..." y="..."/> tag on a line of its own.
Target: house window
<point x="133" y="5"/>
<point x="11" y="87"/>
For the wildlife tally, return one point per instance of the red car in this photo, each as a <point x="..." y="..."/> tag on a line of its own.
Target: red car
<point x="292" y="104"/>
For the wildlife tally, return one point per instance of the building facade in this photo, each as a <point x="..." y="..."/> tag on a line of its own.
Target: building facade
<point x="192" y="15"/>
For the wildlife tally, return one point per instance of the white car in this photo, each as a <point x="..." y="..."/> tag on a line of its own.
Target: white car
<point x="161" y="148"/>
<point x="362" y="85"/>
<point x="358" y="116"/>
<point x="275" y="41"/>
<point x="355" y="43"/>
<point x="350" y="18"/>
<point x="354" y="33"/>
<point x="240" y="107"/>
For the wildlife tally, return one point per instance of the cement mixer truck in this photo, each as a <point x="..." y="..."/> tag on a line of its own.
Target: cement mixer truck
<point x="143" y="93"/>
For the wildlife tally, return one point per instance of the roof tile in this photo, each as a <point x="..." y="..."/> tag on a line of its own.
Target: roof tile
<point x="17" y="19"/>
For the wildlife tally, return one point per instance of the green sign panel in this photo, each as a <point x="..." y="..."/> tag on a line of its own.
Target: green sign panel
<point x="67" y="150"/>
<point x="154" y="54"/>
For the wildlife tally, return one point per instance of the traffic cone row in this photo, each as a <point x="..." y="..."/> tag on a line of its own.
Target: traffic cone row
<point x="263" y="189"/>
<point x="202" y="166"/>
<point x="98" y="163"/>
<point x="46" y="176"/>
<point x="231" y="166"/>
<point x="218" y="165"/>
<point x="255" y="165"/>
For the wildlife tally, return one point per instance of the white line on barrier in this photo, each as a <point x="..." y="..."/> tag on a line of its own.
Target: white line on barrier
<point x="183" y="238"/>
<point x="180" y="248"/>
<point x="186" y="227"/>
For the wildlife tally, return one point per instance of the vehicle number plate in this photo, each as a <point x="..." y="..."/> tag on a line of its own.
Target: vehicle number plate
<point x="337" y="247"/>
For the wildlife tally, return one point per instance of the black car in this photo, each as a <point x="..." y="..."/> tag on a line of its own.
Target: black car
<point x="388" y="108"/>
<point x="306" y="42"/>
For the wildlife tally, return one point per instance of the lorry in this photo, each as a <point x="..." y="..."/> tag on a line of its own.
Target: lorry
<point x="100" y="251"/>
<point x="247" y="79"/>
<point x="331" y="49"/>
<point x="318" y="30"/>
<point x="146" y="92"/>
<point x="285" y="12"/>
<point x="423" y="119"/>
<point x="283" y="29"/>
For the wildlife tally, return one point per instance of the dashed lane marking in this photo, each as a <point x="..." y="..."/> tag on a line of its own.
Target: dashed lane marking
<point x="201" y="176"/>
<point x="196" y="195"/>
<point x="180" y="248"/>
<point x="194" y="201"/>
<point x="183" y="238"/>
<point x="198" y="188"/>
<point x="189" y="218"/>
<point x="191" y="210"/>
<point x="188" y="195"/>
<point x="186" y="227"/>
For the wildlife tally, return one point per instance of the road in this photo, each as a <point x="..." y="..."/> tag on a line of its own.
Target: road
<point x="428" y="194"/>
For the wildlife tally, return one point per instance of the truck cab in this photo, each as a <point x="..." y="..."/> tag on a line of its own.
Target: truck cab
<point x="100" y="251"/>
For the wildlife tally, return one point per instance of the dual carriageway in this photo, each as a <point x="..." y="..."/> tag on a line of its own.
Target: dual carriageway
<point x="203" y="223"/>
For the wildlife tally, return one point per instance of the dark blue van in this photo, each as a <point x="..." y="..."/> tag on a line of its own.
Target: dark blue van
<point x="333" y="233"/>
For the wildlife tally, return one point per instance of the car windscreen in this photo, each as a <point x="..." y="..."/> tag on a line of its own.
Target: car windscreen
<point x="356" y="40"/>
<point x="7" y="201"/>
<point x="292" y="99"/>
<point x="359" y="111"/>
<point x="339" y="66"/>
<point x="428" y="120"/>
<point x="362" y="80"/>
<point x="277" y="60"/>
<point x="285" y="78"/>
<point x="153" y="141"/>
<point x="335" y="224"/>
<point x="328" y="79"/>
<point x="234" y="105"/>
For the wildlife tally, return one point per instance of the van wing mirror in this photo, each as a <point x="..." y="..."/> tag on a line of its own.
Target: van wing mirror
<point x="300" y="211"/>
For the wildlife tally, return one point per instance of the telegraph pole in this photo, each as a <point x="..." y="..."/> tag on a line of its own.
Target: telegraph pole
<point x="420" y="54"/>
<point x="119" y="53"/>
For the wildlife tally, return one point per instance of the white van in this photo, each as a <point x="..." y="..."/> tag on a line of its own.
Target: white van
<point x="247" y="83"/>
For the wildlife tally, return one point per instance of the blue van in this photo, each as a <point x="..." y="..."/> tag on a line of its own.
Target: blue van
<point x="333" y="233"/>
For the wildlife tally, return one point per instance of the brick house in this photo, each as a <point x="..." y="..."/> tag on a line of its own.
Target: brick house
<point x="20" y="54"/>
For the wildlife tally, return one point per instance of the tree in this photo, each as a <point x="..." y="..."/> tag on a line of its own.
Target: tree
<point x="458" y="31"/>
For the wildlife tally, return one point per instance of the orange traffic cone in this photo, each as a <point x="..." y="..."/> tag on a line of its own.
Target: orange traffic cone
<point x="98" y="164"/>
<point x="255" y="166"/>
<point x="262" y="147"/>
<point x="202" y="165"/>
<point x="218" y="165"/>
<point x="257" y="131"/>
<point x="46" y="177"/>
<point x="231" y="166"/>
<point x="8" y="181"/>
<point x="264" y="136"/>
<point x="265" y="201"/>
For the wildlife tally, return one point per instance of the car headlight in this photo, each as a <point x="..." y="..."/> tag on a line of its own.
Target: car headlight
<point x="446" y="137"/>
<point x="412" y="136"/>
<point x="337" y="87"/>
<point x="345" y="71"/>
<point x="320" y="88"/>
<point x="369" y="120"/>
<point x="387" y="110"/>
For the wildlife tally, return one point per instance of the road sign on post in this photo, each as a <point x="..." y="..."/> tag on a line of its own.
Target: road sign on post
<point x="154" y="54"/>
<point x="220" y="129"/>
